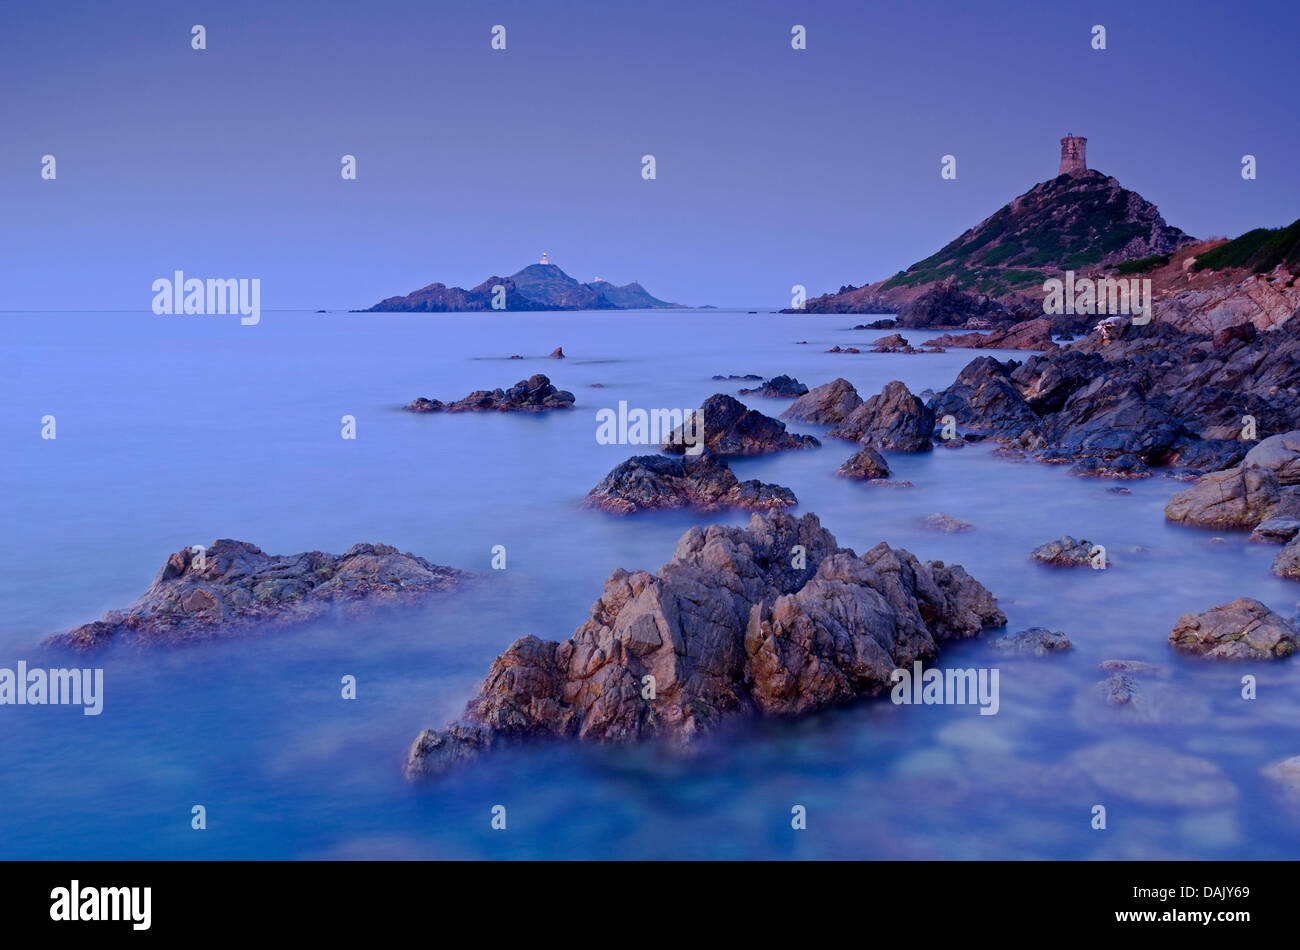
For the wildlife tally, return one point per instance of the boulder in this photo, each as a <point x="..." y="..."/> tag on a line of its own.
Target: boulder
<point x="702" y="482"/>
<point x="731" y="429"/>
<point x="1064" y="552"/>
<point x="1036" y="641"/>
<point x="825" y="405"/>
<point x="893" y="420"/>
<point x="866" y="463"/>
<point x="1242" y="630"/>
<point x="771" y="619"/>
<point x="1278" y="530"/>
<point x="1234" y="498"/>
<point x="778" y="387"/>
<point x="1280" y="454"/>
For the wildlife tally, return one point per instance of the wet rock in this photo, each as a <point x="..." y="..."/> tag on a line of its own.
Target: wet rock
<point x="235" y="589"/>
<point x="946" y="523"/>
<point x="1135" y="695"/>
<point x="825" y="405"/>
<point x="731" y="429"/>
<point x="1126" y="466"/>
<point x="1036" y="641"/>
<point x="1280" y="454"/>
<point x="893" y="420"/>
<point x="1128" y="666"/>
<point x="867" y="463"/>
<point x="702" y="482"/>
<point x="771" y="619"/>
<point x="1233" y="498"/>
<point x="984" y="398"/>
<point x="1242" y="630"/>
<point x="1064" y="552"/>
<point x="843" y="349"/>
<point x="778" y="387"/>
<point x="1277" y="530"/>
<point x="535" y="394"/>
<point x="1154" y="775"/>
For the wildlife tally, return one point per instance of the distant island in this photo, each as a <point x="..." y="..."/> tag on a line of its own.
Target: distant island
<point x="541" y="286"/>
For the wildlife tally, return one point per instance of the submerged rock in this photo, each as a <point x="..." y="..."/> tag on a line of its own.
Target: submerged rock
<point x="535" y="394"/>
<point x="865" y="464"/>
<point x="1242" y="630"/>
<point x="731" y="429"/>
<point x="1126" y="466"/>
<point x="778" y="387"/>
<point x="1154" y="775"/>
<point x="703" y="482"/>
<point x="946" y="523"/>
<point x="1065" y="551"/>
<point x="893" y="420"/>
<point x="235" y="589"/>
<point x="1285" y="775"/>
<point x="1036" y="641"/>
<point x="771" y="619"/>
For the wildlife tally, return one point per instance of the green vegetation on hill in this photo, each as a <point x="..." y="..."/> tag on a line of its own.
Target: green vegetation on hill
<point x="1142" y="265"/>
<point x="1259" y="250"/>
<point x="1069" y="223"/>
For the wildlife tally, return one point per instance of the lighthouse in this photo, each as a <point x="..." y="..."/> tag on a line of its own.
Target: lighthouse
<point x="544" y="259"/>
<point x="1073" y="155"/>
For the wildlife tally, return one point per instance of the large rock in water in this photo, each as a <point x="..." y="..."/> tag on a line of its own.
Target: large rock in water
<point x="235" y="589"/>
<point x="731" y="429"/>
<point x="825" y="405"/>
<point x="1234" y="498"/>
<point x="864" y="464"/>
<point x="703" y="482"/>
<point x="534" y="394"/>
<point x="1280" y="454"/>
<point x="773" y="618"/>
<point x="778" y="387"/>
<point x="893" y="420"/>
<point x="983" y="398"/>
<point x="1242" y="630"/>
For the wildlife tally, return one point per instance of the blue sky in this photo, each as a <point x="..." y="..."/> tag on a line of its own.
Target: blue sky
<point x="775" y="167"/>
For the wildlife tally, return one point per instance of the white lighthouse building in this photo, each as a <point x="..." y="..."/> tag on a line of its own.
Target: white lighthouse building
<point x="544" y="259"/>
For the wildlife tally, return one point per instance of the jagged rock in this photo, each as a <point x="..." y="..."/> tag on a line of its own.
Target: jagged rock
<point x="1126" y="466"/>
<point x="893" y="339"/>
<point x="534" y="394"/>
<point x="866" y="463"/>
<point x="771" y="619"/>
<point x="983" y="398"/>
<point x="825" y="405"/>
<point x="703" y="482"/>
<point x="731" y="429"/>
<point x="1029" y="335"/>
<point x="778" y="387"/>
<point x="1280" y="454"/>
<point x="1036" y="641"/>
<point x="235" y="589"/>
<point x="893" y="420"/>
<point x="1064" y="552"/>
<point x="1233" y="498"/>
<point x="747" y="376"/>
<point x="1287" y="562"/>
<point x="946" y="523"/>
<point x="1242" y="630"/>
<point x="877" y="325"/>
<point x="843" y="349"/>
<point x="556" y="354"/>
<point x="1278" y="530"/>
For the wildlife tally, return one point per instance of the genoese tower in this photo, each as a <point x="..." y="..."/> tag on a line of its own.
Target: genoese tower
<point x="1073" y="155"/>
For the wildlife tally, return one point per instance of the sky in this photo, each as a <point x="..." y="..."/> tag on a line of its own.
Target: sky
<point x="774" y="166"/>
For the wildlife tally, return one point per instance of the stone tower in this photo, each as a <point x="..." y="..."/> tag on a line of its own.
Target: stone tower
<point x="1073" y="155"/>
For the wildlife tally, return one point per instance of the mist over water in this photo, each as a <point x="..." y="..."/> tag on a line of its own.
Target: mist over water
<point x="174" y="431"/>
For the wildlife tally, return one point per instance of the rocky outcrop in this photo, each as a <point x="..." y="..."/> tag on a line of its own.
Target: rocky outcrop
<point x="865" y="464"/>
<point x="731" y="430"/>
<point x="825" y="405"/>
<point x="771" y="619"/>
<point x="1280" y="454"/>
<point x="891" y="341"/>
<point x="535" y="394"/>
<point x="893" y="420"/>
<point x="235" y="589"/>
<point x="1276" y="530"/>
<point x="778" y="387"/>
<point x="1123" y="467"/>
<point x="1029" y="335"/>
<point x="1242" y="630"/>
<point x="1234" y="498"/>
<point x="983" y="399"/>
<point x="1287" y="562"/>
<point x="703" y="482"/>
<point x="1064" y="552"/>
<point x="946" y="305"/>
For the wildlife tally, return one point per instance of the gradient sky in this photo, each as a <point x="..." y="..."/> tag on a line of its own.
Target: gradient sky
<point x="775" y="167"/>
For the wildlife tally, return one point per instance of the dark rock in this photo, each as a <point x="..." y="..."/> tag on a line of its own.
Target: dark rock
<point x="865" y="464"/>
<point x="778" y="387"/>
<point x="535" y="394"/>
<point x="1064" y="552"/>
<point x="893" y="339"/>
<point x="1126" y="466"/>
<point x="702" y="482"/>
<point x="945" y="523"/>
<point x="731" y="429"/>
<point x="843" y="349"/>
<point x="1036" y="641"/>
<point x="1242" y="630"/>
<point x="772" y="619"/>
<point x="893" y="420"/>
<point x="235" y="589"/>
<point x="826" y="405"/>
<point x="556" y="354"/>
<point x="1029" y="335"/>
<point x="1244" y="332"/>
<point x="1277" y="530"/>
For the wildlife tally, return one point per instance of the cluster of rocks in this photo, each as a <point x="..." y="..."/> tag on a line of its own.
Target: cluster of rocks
<point x="1065" y="551"/>
<point x="772" y="619"/>
<point x="893" y="420"/>
<point x="778" y="387"/>
<point x="1026" y="335"/>
<point x="703" y="482"/>
<point x="534" y="394"/>
<point x="233" y="588"/>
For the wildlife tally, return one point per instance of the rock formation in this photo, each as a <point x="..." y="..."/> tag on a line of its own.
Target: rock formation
<point x="703" y="482"/>
<point x="535" y="394"/>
